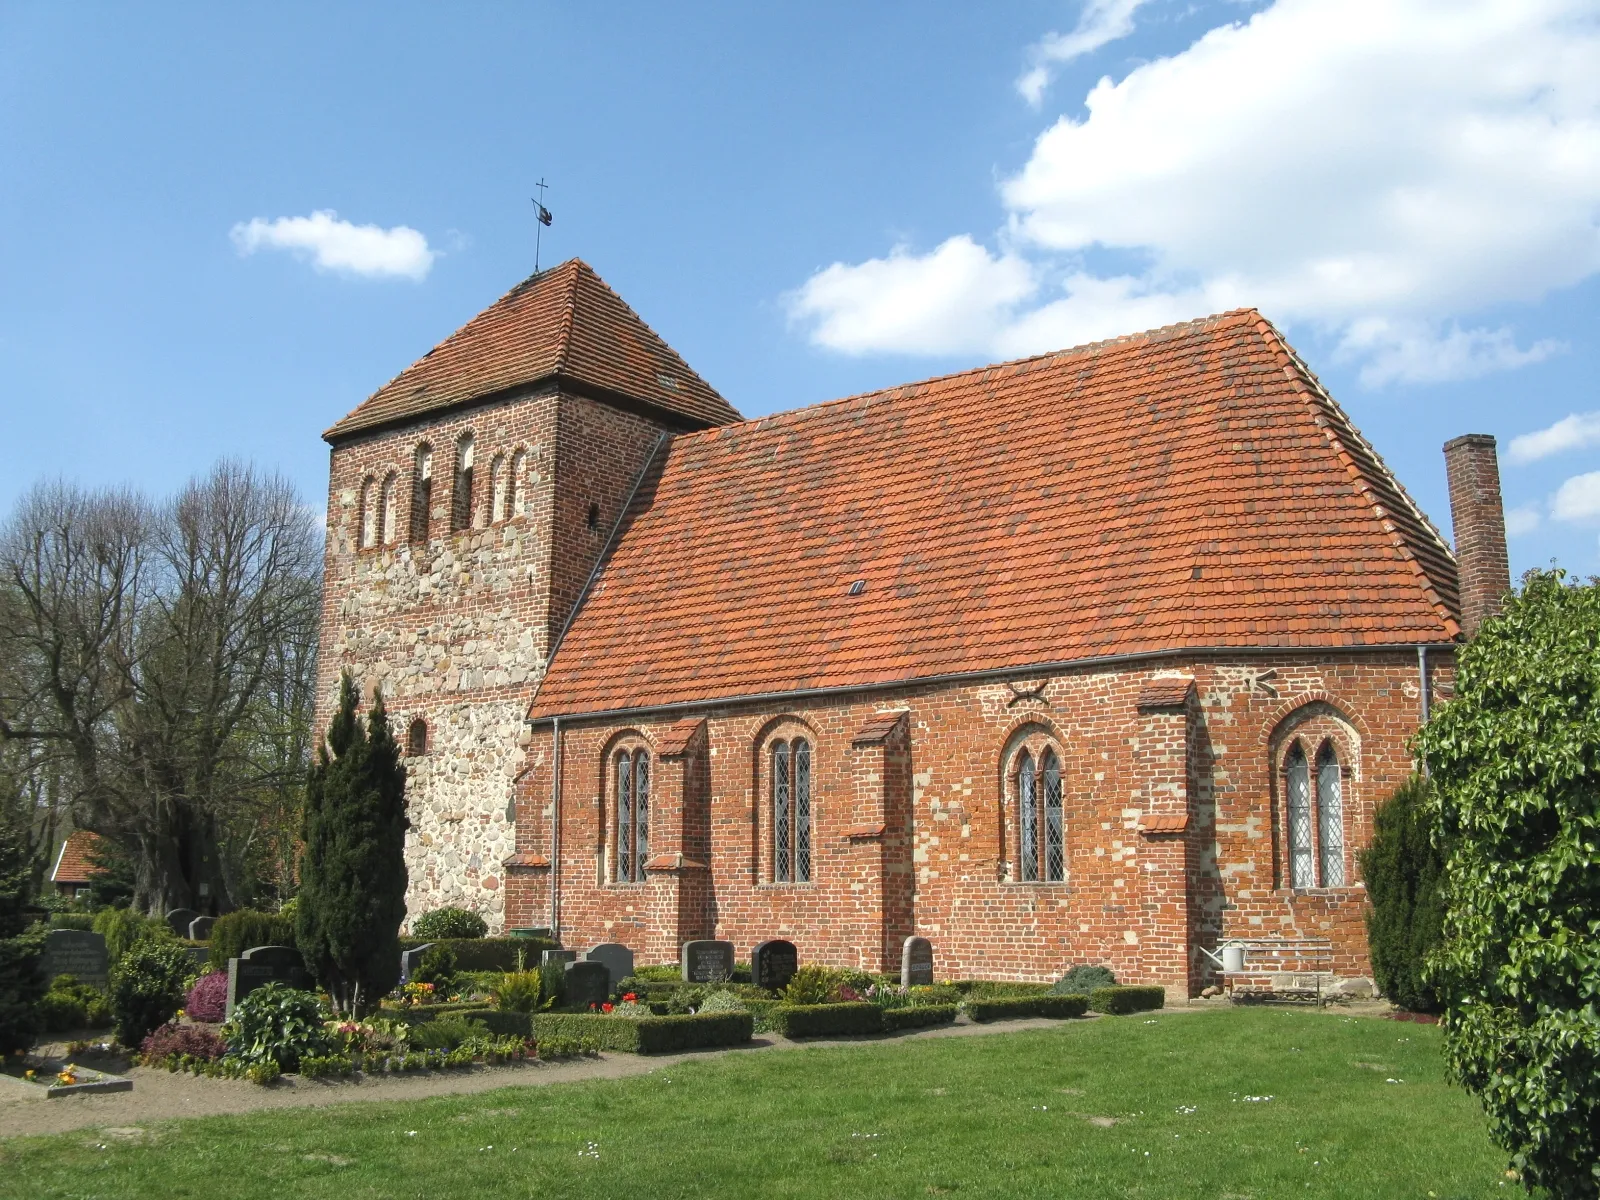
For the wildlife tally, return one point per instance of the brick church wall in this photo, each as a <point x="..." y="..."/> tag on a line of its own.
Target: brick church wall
<point x="1173" y="817"/>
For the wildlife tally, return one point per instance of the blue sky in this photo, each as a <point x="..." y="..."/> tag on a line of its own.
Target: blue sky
<point x="806" y="201"/>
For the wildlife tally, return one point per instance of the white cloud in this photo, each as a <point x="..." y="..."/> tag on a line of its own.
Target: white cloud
<point x="1578" y="499"/>
<point x="1577" y="431"/>
<point x="1100" y="22"/>
<point x="1521" y="520"/>
<point x="335" y="245"/>
<point x="1378" y="170"/>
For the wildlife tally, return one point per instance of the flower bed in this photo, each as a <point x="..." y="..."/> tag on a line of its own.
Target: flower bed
<point x="1119" y="1001"/>
<point x="644" y="1035"/>
<point x="1055" y="1007"/>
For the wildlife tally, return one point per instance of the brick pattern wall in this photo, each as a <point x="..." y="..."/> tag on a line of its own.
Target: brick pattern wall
<point x="1140" y="900"/>
<point x="457" y="628"/>
<point x="1473" y="471"/>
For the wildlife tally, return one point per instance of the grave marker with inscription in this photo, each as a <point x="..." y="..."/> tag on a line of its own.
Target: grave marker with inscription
<point x="707" y="961"/>
<point x="179" y="920"/>
<point x="261" y="965"/>
<point x="773" y="963"/>
<point x="618" y="959"/>
<point x="587" y="983"/>
<point x="78" y="953"/>
<point x="916" y="962"/>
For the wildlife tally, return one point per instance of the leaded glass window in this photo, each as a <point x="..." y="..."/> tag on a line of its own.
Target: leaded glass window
<point x="1330" y="816"/>
<point x="802" y="812"/>
<point x="1055" y="849"/>
<point x="1301" y="863"/>
<point x="1028" y="819"/>
<point x="791" y="811"/>
<point x="781" y="841"/>
<point x="624" y="873"/>
<point x="641" y="813"/>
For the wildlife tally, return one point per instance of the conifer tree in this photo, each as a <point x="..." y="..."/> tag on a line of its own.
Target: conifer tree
<point x="22" y="980"/>
<point x="1403" y="872"/>
<point x="352" y="869"/>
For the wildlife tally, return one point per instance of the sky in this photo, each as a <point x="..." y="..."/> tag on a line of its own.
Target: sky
<point x="223" y="226"/>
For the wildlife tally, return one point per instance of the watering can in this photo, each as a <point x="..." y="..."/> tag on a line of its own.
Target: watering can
<point x="1230" y="960"/>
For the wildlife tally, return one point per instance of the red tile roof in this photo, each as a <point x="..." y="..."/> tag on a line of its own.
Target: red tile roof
<point x="674" y="743"/>
<point x="1190" y="487"/>
<point x="1164" y="824"/>
<point x="1169" y="692"/>
<point x="72" y="863"/>
<point x="564" y="323"/>
<point x="876" y="730"/>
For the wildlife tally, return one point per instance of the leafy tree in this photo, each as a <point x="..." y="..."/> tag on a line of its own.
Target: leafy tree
<point x="1515" y="759"/>
<point x="352" y="871"/>
<point x="1403" y="871"/>
<point x="22" y="981"/>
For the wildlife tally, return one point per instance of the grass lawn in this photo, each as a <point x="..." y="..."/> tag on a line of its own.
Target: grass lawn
<point x="1222" y="1104"/>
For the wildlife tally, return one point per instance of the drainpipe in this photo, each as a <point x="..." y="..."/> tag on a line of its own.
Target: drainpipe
<point x="555" y="833"/>
<point x="1422" y="679"/>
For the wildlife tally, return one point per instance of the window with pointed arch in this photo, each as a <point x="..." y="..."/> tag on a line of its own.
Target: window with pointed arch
<point x="497" y="489"/>
<point x="630" y="773"/>
<point x="387" y="501"/>
<point x="461" y="500"/>
<point x="1038" y="813"/>
<point x="1314" y="800"/>
<point x="421" y="492"/>
<point x="519" y="494"/>
<point x="789" y="800"/>
<point x="367" y="534"/>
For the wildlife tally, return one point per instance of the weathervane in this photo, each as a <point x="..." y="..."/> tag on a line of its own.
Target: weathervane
<point x="544" y="217"/>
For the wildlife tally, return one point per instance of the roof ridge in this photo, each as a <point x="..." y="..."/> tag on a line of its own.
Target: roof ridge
<point x="1344" y="433"/>
<point x="1215" y="320"/>
<point x="570" y="317"/>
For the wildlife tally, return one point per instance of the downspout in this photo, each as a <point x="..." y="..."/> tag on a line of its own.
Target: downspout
<point x="555" y="833"/>
<point x="1422" y="680"/>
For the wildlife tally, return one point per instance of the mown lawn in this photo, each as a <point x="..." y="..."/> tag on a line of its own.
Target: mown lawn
<point x="1228" y="1104"/>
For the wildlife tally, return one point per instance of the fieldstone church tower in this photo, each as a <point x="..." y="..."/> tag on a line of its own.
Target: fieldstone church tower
<point x="1106" y="655"/>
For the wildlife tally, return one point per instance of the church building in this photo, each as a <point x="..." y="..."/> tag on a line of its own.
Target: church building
<point x="1101" y="656"/>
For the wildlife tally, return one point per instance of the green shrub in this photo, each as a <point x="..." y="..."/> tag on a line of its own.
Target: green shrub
<point x="314" y="1066"/>
<point x="1515" y="762"/>
<point x="449" y="923"/>
<point x="670" y="973"/>
<point x="1015" y="1008"/>
<point x="1403" y="871"/>
<point x="1000" y="989"/>
<point x="1083" y="979"/>
<point x="279" y="1024"/>
<point x="518" y="991"/>
<point x="72" y="1005"/>
<point x="824" y="1020"/>
<point x="1120" y="1001"/>
<point x="918" y="1016"/>
<point x="488" y="953"/>
<point x="147" y="987"/>
<point x="236" y="932"/>
<point x="123" y="929"/>
<point x="447" y="1032"/>
<point x="438" y="967"/>
<point x="497" y="1021"/>
<point x="72" y="920"/>
<point x="553" y="983"/>
<point x="716" y="1002"/>
<point x="647" y="1035"/>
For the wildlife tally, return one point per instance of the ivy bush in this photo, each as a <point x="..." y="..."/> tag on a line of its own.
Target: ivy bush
<point x="1403" y="871"/>
<point x="1515" y="762"/>
<point x="449" y="922"/>
<point x="147" y="987"/>
<point x="278" y="1024"/>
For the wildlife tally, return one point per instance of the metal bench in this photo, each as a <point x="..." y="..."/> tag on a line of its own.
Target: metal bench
<point x="1292" y="969"/>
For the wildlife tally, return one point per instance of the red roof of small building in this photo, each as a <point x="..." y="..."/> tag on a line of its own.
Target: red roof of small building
<point x="564" y="324"/>
<point x="1189" y="487"/>
<point x="72" y="862"/>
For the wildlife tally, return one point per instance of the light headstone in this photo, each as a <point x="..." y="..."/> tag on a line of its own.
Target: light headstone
<point x="261" y="965"/>
<point x="916" y="962"/>
<point x="707" y="961"/>
<point x="773" y="963"/>
<point x="200" y="929"/>
<point x="618" y="959"/>
<point x="560" y="956"/>
<point x="587" y="983"/>
<point x="179" y="920"/>
<point x="78" y="953"/>
<point x="410" y="960"/>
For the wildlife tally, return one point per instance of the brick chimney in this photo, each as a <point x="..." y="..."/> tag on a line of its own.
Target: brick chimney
<point x="1480" y="525"/>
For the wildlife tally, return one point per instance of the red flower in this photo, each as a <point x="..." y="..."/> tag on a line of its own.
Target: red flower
<point x="606" y="1007"/>
<point x="630" y="997"/>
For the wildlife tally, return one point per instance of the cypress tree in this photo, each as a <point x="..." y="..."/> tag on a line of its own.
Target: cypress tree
<point x="352" y="869"/>
<point x="22" y="980"/>
<point x="1403" y="871"/>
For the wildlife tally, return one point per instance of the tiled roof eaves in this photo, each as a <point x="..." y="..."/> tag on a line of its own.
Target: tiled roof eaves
<point x="537" y="716"/>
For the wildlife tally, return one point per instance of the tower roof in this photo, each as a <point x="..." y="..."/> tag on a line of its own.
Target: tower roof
<point x="562" y="324"/>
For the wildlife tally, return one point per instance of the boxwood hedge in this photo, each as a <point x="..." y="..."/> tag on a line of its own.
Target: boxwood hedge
<point x="483" y="954"/>
<point x="645" y="1035"/>
<point x="1014" y="1008"/>
<point x="500" y="1022"/>
<point x="1119" y="1001"/>
<point x="824" y="1020"/>
<point x="895" y="1019"/>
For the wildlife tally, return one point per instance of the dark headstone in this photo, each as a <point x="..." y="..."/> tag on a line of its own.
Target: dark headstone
<point x="76" y="952"/>
<point x="410" y="960"/>
<point x="707" y="961"/>
<point x="179" y="919"/>
<point x="773" y="964"/>
<point x="618" y="959"/>
<point x="916" y="962"/>
<point x="261" y="965"/>
<point x="560" y="956"/>
<point x="199" y="956"/>
<point x="587" y="983"/>
<point x="200" y="929"/>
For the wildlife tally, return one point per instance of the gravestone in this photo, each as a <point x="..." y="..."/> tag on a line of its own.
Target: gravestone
<point x="773" y="964"/>
<point x="560" y="956"/>
<point x="707" y="961"/>
<point x="179" y="920"/>
<point x="618" y="959"/>
<point x="261" y="965"/>
<point x="200" y="929"/>
<point x="916" y="962"/>
<point x="199" y="956"/>
<point x="410" y="960"/>
<point x="76" y="952"/>
<point x="587" y="983"/>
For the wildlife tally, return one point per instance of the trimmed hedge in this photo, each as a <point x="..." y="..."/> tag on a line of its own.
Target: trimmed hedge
<point x="895" y="1019"/>
<point x="824" y="1020"/>
<point x="1059" y="1008"/>
<point x="485" y="954"/>
<point x="1119" y="1001"/>
<point x="645" y="1035"/>
<point x="500" y="1022"/>
<point x="234" y="933"/>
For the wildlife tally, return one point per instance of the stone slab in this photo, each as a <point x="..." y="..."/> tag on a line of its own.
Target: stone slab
<point x="261" y="965"/>
<point x="587" y="983"/>
<point x="76" y="952"/>
<point x="179" y="920"/>
<point x="773" y="963"/>
<point x="410" y="960"/>
<point x="706" y="961"/>
<point x="89" y="1087"/>
<point x="200" y="929"/>
<point x="560" y="956"/>
<point x="916" y="962"/>
<point x="618" y="959"/>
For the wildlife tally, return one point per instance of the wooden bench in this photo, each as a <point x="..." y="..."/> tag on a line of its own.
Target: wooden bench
<point x="1292" y="969"/>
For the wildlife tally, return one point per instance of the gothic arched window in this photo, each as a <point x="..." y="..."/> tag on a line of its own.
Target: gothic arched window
<point x="519" y="495"/>
<point x="386" y="503"/>
<point x="633" y="815"/>
<point x="421" y="492"/>
<point x="791" y="811"/>
<point x="1040" y="815"/>
<point x="1330" y="816"/>
<point x="497" y="489"/>
<point x="367" y="528"/>
<point x="461" y="501"/>
<point x="1302" y="869"/>
<point x="417" y="738"/>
